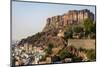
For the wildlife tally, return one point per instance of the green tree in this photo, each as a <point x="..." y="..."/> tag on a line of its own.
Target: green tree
<point x="49" y="48"/>
<point x="76" y="59"/>
<point x="93" y="28"/>
<point x="67" y="34"/>
<point x="91" y="54"/>
<point x="64" y="54"/>
<point x="88" y="25"/>
<point x="77" y="29"/>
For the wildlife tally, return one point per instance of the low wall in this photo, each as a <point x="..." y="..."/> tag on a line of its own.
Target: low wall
<point x="83" y="43"/>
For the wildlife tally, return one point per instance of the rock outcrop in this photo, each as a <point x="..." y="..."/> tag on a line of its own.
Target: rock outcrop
<point x="72" y="17"/>
<point x="55" y="25"/>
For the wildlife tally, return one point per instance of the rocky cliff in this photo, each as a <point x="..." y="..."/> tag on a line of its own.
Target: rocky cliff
<point x="69" y="18"/>
<point x="53" y="26"/>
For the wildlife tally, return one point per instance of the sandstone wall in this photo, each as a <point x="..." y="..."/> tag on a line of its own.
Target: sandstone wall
<point x="71" y="17"/>
<point x="83" y="43"/>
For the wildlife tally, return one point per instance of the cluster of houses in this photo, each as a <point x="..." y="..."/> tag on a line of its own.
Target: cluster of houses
<point x="27" y="54"/>
<point x="30" y="55"/>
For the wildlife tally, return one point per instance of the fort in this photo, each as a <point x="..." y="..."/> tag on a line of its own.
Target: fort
<point x="71" y="17"/>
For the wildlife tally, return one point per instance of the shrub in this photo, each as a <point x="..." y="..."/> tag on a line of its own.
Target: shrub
<point x="91" y="55"/>
<point x="49" y="48"/>
<point x="64" y="54"/>
<point x="76" y="59"/>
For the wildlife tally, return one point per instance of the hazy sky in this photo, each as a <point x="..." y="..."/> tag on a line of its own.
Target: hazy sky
<point x="30" y="18"/>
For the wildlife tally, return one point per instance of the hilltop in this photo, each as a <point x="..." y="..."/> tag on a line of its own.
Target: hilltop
<point x="57" y="26"/>
<point x="59" y="42"/>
